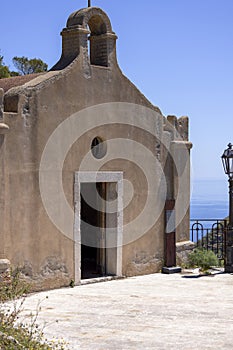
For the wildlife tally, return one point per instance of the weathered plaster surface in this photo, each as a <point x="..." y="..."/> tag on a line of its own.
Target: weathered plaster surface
<point x="31" y="114"/>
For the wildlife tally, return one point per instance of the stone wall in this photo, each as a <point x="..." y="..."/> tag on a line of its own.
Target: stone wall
<point x="183" y="249"/>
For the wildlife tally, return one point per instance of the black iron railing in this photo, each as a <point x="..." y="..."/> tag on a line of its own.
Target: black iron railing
<point x="210" y="234"/>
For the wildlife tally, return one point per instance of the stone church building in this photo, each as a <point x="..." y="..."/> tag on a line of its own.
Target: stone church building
<point x="94" y="179"/>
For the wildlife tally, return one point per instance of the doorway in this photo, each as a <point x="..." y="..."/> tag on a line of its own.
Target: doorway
<point x="93" y="230"/>
<point x="98" y="225"/>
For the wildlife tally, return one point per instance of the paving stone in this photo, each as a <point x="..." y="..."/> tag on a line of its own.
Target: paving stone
<point x="148" y="312"/>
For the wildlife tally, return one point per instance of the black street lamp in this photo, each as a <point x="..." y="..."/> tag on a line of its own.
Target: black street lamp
<point x="227" y="159"/>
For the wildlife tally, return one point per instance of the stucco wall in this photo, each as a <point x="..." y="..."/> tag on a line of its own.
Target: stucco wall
<point x="30" y="239"/>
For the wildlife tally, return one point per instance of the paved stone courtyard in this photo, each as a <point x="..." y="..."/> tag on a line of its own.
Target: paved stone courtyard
<point x="149" y="312"/>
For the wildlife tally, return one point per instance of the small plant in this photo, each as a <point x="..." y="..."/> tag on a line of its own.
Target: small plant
<point x="13" y="287"/>
<point x="72" y="284"/>
<point x="203" y="258"/>
<point x="14" y="334"/>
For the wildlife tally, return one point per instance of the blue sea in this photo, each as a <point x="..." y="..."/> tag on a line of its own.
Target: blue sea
<point x="209" y="199"/>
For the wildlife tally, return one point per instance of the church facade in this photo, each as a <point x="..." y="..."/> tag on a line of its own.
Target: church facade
<point x="95" y="181"/>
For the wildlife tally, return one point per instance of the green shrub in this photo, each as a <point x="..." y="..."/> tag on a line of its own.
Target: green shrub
<point x="203" y="258"/>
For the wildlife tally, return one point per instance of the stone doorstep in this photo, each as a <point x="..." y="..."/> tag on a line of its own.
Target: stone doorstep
<point x="100" y="279"/>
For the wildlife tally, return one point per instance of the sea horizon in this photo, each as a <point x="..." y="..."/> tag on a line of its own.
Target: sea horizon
<point x="209" y="199"/>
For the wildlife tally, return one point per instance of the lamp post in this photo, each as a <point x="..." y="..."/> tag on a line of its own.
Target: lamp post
<point x="227" y="160"/>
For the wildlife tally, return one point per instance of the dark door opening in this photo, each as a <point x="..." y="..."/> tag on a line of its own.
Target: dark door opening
<point x="93" y="223"/>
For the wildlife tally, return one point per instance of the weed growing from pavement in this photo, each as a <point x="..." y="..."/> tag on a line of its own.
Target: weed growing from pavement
<point x="14" y="333"/>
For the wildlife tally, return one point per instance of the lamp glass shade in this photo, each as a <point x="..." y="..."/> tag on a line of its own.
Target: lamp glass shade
<point x="227" y="160"/>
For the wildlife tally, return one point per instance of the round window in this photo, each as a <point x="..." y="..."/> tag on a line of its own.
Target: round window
<point x="98" y="148"/>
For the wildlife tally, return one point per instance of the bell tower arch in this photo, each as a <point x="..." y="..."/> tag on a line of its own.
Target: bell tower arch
<point x="88" y="27"/>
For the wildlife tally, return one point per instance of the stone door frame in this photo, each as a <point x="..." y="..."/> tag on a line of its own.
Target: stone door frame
<point x="93" y="177"/>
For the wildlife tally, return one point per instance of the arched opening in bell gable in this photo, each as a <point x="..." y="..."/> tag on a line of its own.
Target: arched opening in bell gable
<point x="98" y="48"/>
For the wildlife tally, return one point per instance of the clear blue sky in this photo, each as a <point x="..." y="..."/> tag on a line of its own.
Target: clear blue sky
<point x="179" y="53"/>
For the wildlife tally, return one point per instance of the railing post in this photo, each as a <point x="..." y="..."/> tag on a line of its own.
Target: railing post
<point x="229" y="234"/>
